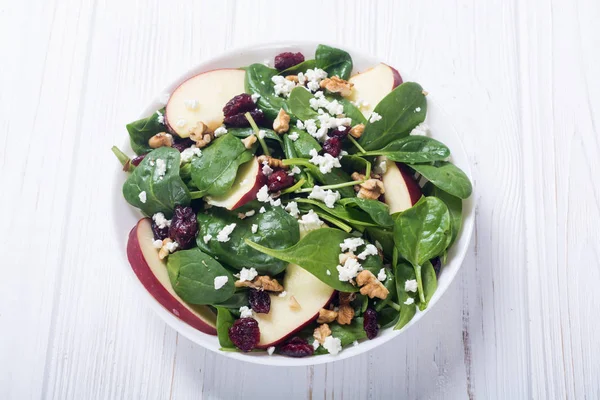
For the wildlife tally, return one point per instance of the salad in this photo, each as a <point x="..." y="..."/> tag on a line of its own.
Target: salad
<point x="294" y="209"/>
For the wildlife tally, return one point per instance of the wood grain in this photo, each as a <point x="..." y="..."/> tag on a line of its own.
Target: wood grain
<point x="520" y="80"/>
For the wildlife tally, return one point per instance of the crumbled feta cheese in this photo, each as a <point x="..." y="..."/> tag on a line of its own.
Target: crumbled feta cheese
<point x="293" y="136"/>
<point x="161" y="169"/>
<point x="266" y="170"/>
<point x="261" y="134"/>
<point x="254" y="228"/>
<point x="342" y="128"/>
<point x="380" y="166"/>
<point x="422" y="129"/>
<point x="301" y="78"/>
<point x="263" y="194"/>
<point x="262" y="210"/>
<point x="411" y="285"/>
<point x="191" y="104"/>
<point x="360" y="103"/>
<point x="220" y="131"/>
<point x="369" y="250"/>
<point x="206" y="238"/>
<point x="255" y="97"/>
<point x="245" y="312"/>
<point x="409" y="301"/>
<point x="189" y="153"/>
<point x="223" y="235"/>
<point x="160" y="220"/>
<point x="292" y="208"/>
<point x="381" y="276"/>
<point x="325" y="162"/>
<point x="160" y="117"/>
<point x="271" y="350"/>
<point x="418" y="109"/>
<point x="248" y="274"/>
<point x="164" y="98"/>
<point x="310" y="221"/>
<point x="314" y="78"/>
<point x="315" y="344"/>
<point x="282" y="294"/>
<point x="311" y="126"/>
<point x="294" y="171"/>
<point x="349" y="270"/>
<point x="329" y="197"/>
<point x="299" y="124"/>
<point x="180" y="123"/>
<point x="282" y="87"/>
<point x="332" y="345"/>
<point x="351" y="244"/>
<point x="319" y="101"/>
<point x="171" y="246"/>
<point x="250" y="213"/>
<point x="157" y="244"/>
<point x="220" y="281"/>
<point x="275" y="203"/>
<point x="374" y="117"/>
<point x="142" y="196"/>
<point x="329" y="272"/>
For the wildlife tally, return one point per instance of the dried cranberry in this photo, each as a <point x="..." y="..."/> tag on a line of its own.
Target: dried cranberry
<point x="296" y="347"/>
<point x="183" y="144"/>
<point x="338" y="133"/>
<point x="239" y="105"/>
<point x="279" y="180"/>
<point x="160" y="233"/>
<point x="259" y="300"/>
<point x="184" y="227"/>
<point x="437" y="265"/>
<point x="244" y="333"/>
<point x="370" y="323"/>
<point x="333" y="146"/>
<point x="137" y="160"/>
<point x="287" y="60"/>
<point x="240" y="120"/>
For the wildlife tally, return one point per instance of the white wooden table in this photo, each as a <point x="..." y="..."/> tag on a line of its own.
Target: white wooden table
<point x="522" y="82"/>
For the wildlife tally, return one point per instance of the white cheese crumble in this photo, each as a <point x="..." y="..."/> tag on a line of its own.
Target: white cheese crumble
<point x="325" y="163"/>
<point x="351" y="244"/>
<point x="189" y="153"/>
<point x="313" y="78"/>
<point x="223" y="235"/>
<point x="329" y="272"/>
<point x="299" y="124"/>
<point x="275" y="203"/>
<point x="160" y="117"/>
<point x="369" y="250"/>
<point x="360" y="103"/>
<point x="160" y="220"/>
<point x="245" y="312"/>
<point x="349" y="270"/>
<point x="180" y="123"/>
<point x="206" y="238"/>
<point x="411" y="285"/>
<point x="418" y="109"/>
<point x="161" y="169"/>
<point x="282" y="294"/>
<point x="294" y="171"/>
<point x="171" y="246"/>
<point x="255" y="97"/>
<point x="319" y="101"/>
<point x="332" y="345"/>
<point x="310" y="221"/>
<point x="250" y="213"/>
<point x="191" y="104"/>
<point x="220" y="281"/>
<point x="142" y="196"/>
<point x="316" y="344"/>
<point x="261" y="134"/>
<point x="422" y="129"/>
<point x="409" y="301"/>
<point x="220" y="131"/>
<point x="271" y="350"/>
<point x="293" y="136"/>
<point x="248" y="274"/>
<point x="374" y="117"/>
<point x="262" y="210"/>
<point x="381" y="276"/>
<point x="254" y="228"/>
<point x="266" y="170"/>
<point x="282" y="86"/>
<point x="263" y="195"/>
<point x="292" y="208"/>
<point x="329" y="197"/>
<point x="157" y="244"/>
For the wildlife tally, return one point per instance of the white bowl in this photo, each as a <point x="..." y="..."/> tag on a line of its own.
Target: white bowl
<point x="125" y="216"/>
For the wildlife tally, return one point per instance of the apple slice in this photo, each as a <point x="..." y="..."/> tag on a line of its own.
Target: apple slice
<point x="152" y="272"/>
<point x="202" y="98"/>
<point x="401" y="189"/>
<point x="373" y="85"/>
<point x="247" y="183"/>
<point x="282" y="321"/>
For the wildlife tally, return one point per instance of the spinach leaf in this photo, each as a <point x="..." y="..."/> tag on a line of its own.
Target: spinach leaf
<point x="328" y="218"/>
<point x="336" y="62"/>
<point x="142" y="130"/>
<point x="385" y="238"/>
<point x="352" y="162"/>
<point x="404" y="272"/>
<point x="245" y="132"/>
<point x="236" y="301"/>
<point x="302" y="67"/>
<point x="299" y="104"/>
<point x="317" y="252"/>
<point x="337" y="175"/>
<point x="348" y="215"/>
<point x="215" y="170"/>
<point x="351" y="111"/>
<point x="413" y="149"/>
<point x="399" y="116"/>
<point x="224" y="321"/>
<point x="429" y="283"/>
<point x="454" y="206"/>
<point x="162" y="193"/>
<point x="258" y="80"/>
<point x="447" y="177"/>
<point x="276" y="228"/>
<point x="390" y="285"/>
<point x="192" y="274"/>
<point x="347" y="334"/>
<point x="304" y="144"/>
<point x="388" y="317"/>
<point x="377" y="210"/>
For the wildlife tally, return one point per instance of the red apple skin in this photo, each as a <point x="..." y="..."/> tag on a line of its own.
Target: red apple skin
<point x="397" y="77"/>
<point x="156" y="289"/>
<point x="414" y="190"/>
<point x="261" y="180"/>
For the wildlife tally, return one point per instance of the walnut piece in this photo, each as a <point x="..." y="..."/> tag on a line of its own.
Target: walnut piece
<point x="369" y="189"/>
<point x="249" y="141"/>
<point x="345" y="314"/>
<point x="294" y="305"/>
<point x="164" y="250"/>
<point x="321" y="332"/>
<point x="201" y="135"/>
<point x="261" y="282"/>
<point x="346" y="298"/>
<point x="271" y="162"/>
<point x="293" y="78"/>
<point x="326" y="316"/>
<point x="370" y="285"/>
<point x="282" y="122"/>
<point x="161" y="139"/>
<point x="337" y="85"/>
<point x="357" y="131"/>
<point x="425" y="92"/>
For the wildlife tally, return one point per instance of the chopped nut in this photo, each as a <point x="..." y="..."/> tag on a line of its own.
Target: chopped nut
<point x="370" y="285"/>
<point x="357" y="176"/>
<point x="345" y="256"/>
<point x="346" y="298"/>
<point x="337" y="85"/>
<point x="282" y="122"/>
<point x="200" y="135"/>
<point x="321" y="332"/>
<point x="261" y="282"/>
<point x="294" y="305"/>
<point x="241" y="215"/>
<point x="161" y="139"/>
<point x="425" y="92"/>
<point x="293" y="78"/>
<point x="249" y="141"/>
<point x="345" y="314"/>
<point x="272" y="162"/>
<point x="369" y="189"/>
<point x="357" y="131"/>
<point x="164" y="251"/>
<point x="326" y="316"/>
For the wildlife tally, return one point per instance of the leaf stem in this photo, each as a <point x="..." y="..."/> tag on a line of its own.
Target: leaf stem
<point x="196" y="195"/>
<point x="420" y="283"/>
<point x="395" y="306"/>
<point x="346" y="228"/>
<point x="336" y="186"/>
<point x="123" y="159"/>
<point x="355" y="143"/>
<point x="261" y="140"/>
<point x="295" y="187"/>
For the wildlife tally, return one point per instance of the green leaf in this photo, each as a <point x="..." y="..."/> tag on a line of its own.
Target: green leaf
<point x="348" y="215"/>
<point x="317" y="252"/>
<point x="243" y="133"/>
<point x="192" y="274"/>
<point x="447" y="177"/>
<point x="258" y="80"/>
<point x="142" y="130"/>
<point x="385" y="238"/>
<point x="224" y="321"/>
<point x="276" y="228"/>
<point x="337" y="175"/>
<point x="454" y="206"/>
<point x="336" y="62"/>
<point x="399" y="116"/>
<point x="388" y="317"/>
<point x="351" y="111"/>
<point x="302" y="67"/>
<point x="390" y="285"/>
<point x="239" y="299"/>
<point x="215" y="170"/>
<point x="377" y="210"/>
<point x="304" y="144"/>
<point x="162" y="194"/>
<point x="299" y="104"/>
<point x="413" y="149"/>
<point x="404" y="272"/>
<point x="429" y="283"/>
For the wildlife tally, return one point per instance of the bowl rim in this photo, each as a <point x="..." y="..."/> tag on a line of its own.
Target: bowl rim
<point x="201" y="338"/>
